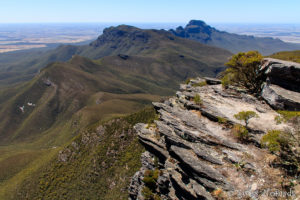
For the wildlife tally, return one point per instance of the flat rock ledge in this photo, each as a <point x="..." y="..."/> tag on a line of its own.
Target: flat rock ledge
<point x="197" y="155"/>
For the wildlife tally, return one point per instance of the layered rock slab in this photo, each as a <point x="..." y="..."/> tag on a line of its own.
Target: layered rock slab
<point x="200" y="158"/>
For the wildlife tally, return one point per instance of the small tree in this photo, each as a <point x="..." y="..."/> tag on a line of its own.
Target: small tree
<point x="243" y="70"/>
<point x="245" y="116"/>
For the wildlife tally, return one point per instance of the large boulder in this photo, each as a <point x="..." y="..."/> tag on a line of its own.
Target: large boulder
<point x="282" y="87"/>
<point x="281" y="98"/>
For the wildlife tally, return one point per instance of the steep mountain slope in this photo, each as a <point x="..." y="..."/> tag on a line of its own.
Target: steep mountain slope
<point x="97" y="164"/>
<point x="64" y="98"/>
<point x="199" y="31"/>
<point x="152" y="65"/>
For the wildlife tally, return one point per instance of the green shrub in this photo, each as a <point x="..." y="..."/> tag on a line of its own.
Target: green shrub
<point x="222" y="120"/>
<point x="149" y="195"/>
<point x="278" y="120"/>
<point x="150" y="178"/>
<point x="200" y="84"/>
<point x="187" y="81"/>
<point x="245" y="116"/>
<point x="197" y="99"/>
<point x="226" y="80"/>
<point x="240" y="132"/>
<point x="243" y="71"/>
<point x="289" y="115"/>
<point x="272" y="140"/>
<point x="286" y="116"/>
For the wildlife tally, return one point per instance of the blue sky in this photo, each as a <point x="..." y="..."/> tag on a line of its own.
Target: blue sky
<point x="223" y="11"/>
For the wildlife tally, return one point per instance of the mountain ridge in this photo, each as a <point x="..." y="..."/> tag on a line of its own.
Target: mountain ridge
<point x="199" y="31"/>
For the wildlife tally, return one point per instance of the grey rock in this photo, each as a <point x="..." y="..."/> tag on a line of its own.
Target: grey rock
<point x="196" y="166"/>
<point x="197" y="153"/>
<point x="135" y="185"/>
<point x="280" y="98"/>
<point x="212" y="81"/>
<point x="282" y="73"/>
<point x="232" y="157"/>
<point x="281" y="89"/>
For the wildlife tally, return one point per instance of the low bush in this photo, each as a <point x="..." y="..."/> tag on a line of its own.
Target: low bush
<point x="222" y="120"/>
<point x="149" y="195"/>
<point x="272" y="140"/>
<point x="240" y="132"/>
<point x="198" y="100"/>
<point x="150" y="178"/>
<point x="286" y="116"/>
<point x="200" y="84"/>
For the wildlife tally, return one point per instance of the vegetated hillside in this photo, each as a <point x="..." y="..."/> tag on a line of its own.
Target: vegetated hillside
<point x="199" y="31"/>
<point x="97" y="164"/>
<point x="123" y="39"/>
<point x="40" y="116"/>
<point x="293" y="56"/>
<point x="61" y="89"/>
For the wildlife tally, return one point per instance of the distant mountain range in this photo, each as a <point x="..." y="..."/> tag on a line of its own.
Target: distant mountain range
<point x="199" y="31"/>
<point x="115" y="40"/>
<point x="126" y="60"/>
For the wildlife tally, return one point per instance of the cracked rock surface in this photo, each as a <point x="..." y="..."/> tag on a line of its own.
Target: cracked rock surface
<point x="197" y="156"/>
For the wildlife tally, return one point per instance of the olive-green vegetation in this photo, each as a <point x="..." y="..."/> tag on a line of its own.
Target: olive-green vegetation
<point x="293" y="56"/>
<point x="97" y="164"/>
<point x="188" y="80"/>
<point x="243" y="71"/>
<point x="286" y="143"/>
<point x="222" y="120"/>
<point x="197" y="99"/>
<point x="286" y="116"/>
<point x="21" y="159"/>
<point x="272" y="140"/>
<point x="200" y="84"/>
<point x="64" y="88"/>
<point x="240" y="132"/>
<point x="245" y="116"/>
<point x="150" y="179"/>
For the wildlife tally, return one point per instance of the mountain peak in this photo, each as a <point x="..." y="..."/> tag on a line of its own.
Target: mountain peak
<point x="199" y="31"/>
<point x="194" y="22"/>
<point x="122" y="32"/>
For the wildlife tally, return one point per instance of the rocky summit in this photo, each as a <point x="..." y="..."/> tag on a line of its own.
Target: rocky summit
<point x="192" y="152"/>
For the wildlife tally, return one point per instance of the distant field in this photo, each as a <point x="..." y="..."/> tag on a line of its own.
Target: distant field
<point x="15" y="37"/>
<point x="27" y="36"/>
<point x="285" y="32"/>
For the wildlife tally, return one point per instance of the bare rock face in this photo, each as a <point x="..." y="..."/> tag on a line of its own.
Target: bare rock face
<point x="198" y="157"/>
<point x="282" y="87"/>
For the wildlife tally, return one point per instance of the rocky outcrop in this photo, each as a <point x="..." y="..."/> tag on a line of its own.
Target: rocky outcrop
<point x="282" y="87"/>
<point x="198" y="155"/>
